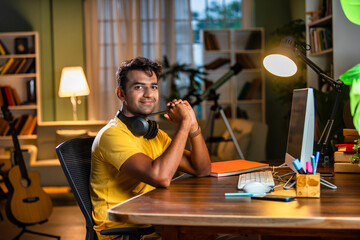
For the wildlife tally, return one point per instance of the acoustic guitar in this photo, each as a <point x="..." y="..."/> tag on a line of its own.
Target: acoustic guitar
<point x="28" y="203"/>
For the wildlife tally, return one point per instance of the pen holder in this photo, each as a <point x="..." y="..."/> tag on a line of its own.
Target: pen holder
<point x="308" y="185"/>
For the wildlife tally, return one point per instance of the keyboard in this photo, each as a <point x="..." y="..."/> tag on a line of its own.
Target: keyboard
<point x="264" y="177"/>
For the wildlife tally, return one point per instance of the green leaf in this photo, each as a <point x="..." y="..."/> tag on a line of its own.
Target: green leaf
<point x="352" y="77"/>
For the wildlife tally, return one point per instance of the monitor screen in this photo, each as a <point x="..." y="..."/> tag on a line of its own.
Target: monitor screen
<point x="300" y="141"/>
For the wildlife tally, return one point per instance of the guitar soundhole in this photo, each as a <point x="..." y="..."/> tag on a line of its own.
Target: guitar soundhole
<point x="31" y="199"/>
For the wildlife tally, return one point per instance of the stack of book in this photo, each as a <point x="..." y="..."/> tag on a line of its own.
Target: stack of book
<point x="320" y="39"/>
<point x="342" y="157"/>
<point x="17" y="66"/>
<point x="9" y="96"/>
<point x="24" y="125"/>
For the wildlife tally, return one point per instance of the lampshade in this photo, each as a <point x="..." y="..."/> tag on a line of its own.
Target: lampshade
<point x="281" y="61"/>
<point x="280" y="65"/>
<point x="73" y="82"/>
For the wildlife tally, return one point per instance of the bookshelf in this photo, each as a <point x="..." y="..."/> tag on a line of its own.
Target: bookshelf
<point x="20" y="83"/>
<point x="343" y="52"/>
<point x="318" y="31"/>
<point x="242" y="96"/>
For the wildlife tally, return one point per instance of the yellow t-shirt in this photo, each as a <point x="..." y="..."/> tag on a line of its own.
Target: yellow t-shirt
<point x="113" y="145"/>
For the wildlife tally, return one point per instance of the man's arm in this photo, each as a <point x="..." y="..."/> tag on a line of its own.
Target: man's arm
<point x="160" y="171"/>
<point x="197" y="161"/>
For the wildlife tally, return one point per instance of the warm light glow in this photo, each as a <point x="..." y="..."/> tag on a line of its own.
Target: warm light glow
<point x="73" y="82"/>
<point x="280" y="65"/>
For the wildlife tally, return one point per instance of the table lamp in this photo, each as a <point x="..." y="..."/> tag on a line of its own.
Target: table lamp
<point x="282" y="62"/>
<point x="73" y="84"/>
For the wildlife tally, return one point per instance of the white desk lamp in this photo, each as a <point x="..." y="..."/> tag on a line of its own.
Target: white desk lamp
<point x="72" y="84"/>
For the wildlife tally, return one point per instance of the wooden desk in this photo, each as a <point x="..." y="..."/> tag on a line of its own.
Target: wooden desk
<point x="194" y="207"/>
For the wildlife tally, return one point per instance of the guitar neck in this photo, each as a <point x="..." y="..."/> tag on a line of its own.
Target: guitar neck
<point x="18" y="156"/>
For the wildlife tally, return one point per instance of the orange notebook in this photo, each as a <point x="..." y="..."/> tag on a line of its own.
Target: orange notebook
<point x="234" y="167"/>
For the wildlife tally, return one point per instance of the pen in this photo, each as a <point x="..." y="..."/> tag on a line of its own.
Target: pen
<point x="313" y="163"/>
<point x="309" y="167"/>
<point x="298" y="166"/>
<point x="317" y="159"/>
<point x="242" y="194"/>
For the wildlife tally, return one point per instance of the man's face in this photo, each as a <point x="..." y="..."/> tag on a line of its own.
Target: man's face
<point x="141" y="94"/>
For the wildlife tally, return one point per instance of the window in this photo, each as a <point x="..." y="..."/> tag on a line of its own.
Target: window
<point x="213" y="14"/>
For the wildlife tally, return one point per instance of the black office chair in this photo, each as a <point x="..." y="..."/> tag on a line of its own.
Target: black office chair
<point x="75" y="158"/>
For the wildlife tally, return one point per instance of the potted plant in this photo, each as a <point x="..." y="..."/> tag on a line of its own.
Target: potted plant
<point x="182" y="80"/>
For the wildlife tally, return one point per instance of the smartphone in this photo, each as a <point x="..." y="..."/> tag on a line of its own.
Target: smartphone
<point x="281" y="198"/>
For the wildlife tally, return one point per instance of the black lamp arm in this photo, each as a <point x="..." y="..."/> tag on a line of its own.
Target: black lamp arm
<point x="337" y="85"/>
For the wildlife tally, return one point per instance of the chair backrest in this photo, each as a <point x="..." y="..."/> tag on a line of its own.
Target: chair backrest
<point x="75" y="158"/>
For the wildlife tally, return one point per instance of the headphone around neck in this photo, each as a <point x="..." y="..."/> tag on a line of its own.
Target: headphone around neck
<point x="139" y="126"/>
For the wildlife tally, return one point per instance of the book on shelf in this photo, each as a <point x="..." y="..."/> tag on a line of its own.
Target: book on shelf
<point x="254" y="41"/>
<point x="244" y="91"/>
<point x="240" y="113"/>
<point x="6" y="66"/>
<point x="20" y="66"/>
<point x="253" y="89"/>
<point x="346" y="147"/>
<point x="13" y="66"/>
<point x="216" y="63"/>
<point x="350" y="132"/>
<point x="32" y="126"/>
<point x="19" y="125"/>
<point x="235" y="167"/>
<point x="351" y="138"/>
<point x="346" y="167"/>
<point x="4" y="125"/>
<point x="9" y="96"/>
<point x="3" y="49"/>
<point x="25" y="128"/>
<point x="211" y="41"/>
<point x="244" y="60"/>
<point x="326" y="8"/>
<point x="16" y="97"/>
<point x="320" y="39"/>
<point x="29" y="64"/>
<point x="342" y="156"/>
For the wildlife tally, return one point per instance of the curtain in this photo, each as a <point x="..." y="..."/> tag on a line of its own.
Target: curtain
<point x="118" y="30"/>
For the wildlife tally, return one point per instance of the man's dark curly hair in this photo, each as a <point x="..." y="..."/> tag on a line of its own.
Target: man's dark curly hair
<point x="138" y="63"/>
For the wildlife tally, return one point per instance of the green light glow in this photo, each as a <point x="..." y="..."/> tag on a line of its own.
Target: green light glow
<point x="351" y="9"/>
<point x="352" y="77"/>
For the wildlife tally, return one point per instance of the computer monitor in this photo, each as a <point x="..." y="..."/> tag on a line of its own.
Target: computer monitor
<point x="300" y="141"/>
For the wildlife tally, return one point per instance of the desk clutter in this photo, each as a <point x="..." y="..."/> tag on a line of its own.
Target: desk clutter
<point x="343" y="157"/>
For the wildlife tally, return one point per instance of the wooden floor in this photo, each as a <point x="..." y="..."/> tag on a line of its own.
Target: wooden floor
<point x="65" y="221"/>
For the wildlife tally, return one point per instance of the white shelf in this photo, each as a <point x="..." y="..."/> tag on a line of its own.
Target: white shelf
<point x="29" y="55"/>
<point x="19" y="81"/>
<point x="245" y="46"/>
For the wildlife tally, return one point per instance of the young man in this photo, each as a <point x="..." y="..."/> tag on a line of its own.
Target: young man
<point x="124" y="164"/>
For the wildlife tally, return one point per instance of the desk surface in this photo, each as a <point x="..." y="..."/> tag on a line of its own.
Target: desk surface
<point x="200" y="202"/>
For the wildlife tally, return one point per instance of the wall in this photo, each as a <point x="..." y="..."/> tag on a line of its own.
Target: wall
<point x="270" y="15"/>
<point x="60" y="27"/>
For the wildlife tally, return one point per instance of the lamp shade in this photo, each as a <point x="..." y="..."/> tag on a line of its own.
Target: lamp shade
<point x="73" y="82"/>
<point x="281" y="61"/>
<point x="280" y="65"/>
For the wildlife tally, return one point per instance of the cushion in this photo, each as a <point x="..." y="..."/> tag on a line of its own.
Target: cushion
<point x="242" y="130"/>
